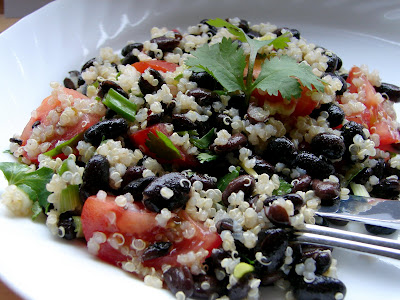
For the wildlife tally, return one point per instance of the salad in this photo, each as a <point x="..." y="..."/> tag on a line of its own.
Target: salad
<point x="189" y="158"/>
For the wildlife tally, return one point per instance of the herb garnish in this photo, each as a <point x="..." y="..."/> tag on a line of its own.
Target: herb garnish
<point x="226" y="62"/>
<point x="162" y="146"/>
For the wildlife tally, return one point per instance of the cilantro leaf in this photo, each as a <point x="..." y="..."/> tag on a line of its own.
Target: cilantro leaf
<point x="205" y="141"/>
<point x="213" y="60"/>
<point x="162" y="146"/>
<point x="284" y="75"/>
<point x="32" y="183"/>
<point x="205" y="157"/>
<point x="283" y="189"/>
<point x="224" y="181"/>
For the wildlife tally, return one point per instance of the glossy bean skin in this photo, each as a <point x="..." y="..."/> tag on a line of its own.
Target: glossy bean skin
<point x="137" y="186"/>
<point x="155" y="200"/>
<point x="95" y="177"/>
<point x="107" y="129"/>
<point x="203" y="96"/>
<point x="316" y="166"/>
<point x="245" y="183"/>
<point x="390" y="90"/>
<point x="234" y="143"/>
<point x="158" y="249"/>
<point x="108" y="84"/>
<point x="301" y="183"/>
<point x="350" y="130"/>
<point x="330" y="145"/>
<point x="179" y="279"/>
<point x="146" y="87"/>
<point x="280" y="149"/>
<point x="132" y="173"/>
<point x="167" y="44"/>
<point x="327" y="191"/>
<point x="204" y="80"/>
<point x="321" y="288"/>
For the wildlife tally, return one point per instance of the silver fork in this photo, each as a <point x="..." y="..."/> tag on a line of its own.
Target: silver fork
<point x="326" y="236"/>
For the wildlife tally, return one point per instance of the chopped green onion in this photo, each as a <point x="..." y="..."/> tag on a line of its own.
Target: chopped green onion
<point x="78" y="226"/>
<point x="59" y="148"/>
<point x="359" y="189"/>
<point x="120" y="105"/>
<point x="242" y="269"/>
<point x="69" y="199"/>
<point x="224" y="181"/>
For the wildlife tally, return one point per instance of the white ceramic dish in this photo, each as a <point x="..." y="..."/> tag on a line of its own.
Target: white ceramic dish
<point x="60" y="37"/>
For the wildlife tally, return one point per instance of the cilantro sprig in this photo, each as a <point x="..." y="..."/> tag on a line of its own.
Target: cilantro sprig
<point x="226" y="62"/>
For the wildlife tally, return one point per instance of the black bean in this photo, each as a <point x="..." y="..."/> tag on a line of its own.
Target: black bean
<point x="153" y="118"/>
<point x="295" y="33"/>
<point x="203" y="96"/>
<point x="95" y="176"/>
<point x="327" y="191"/>
<point x="235" y="142"/>
<point x="296" y="199"/>
<point x="323" y="259"/>
<point x="239" y="102"/>
<point x="392" y="91"/>
<point x="350" y="130"/>
<point x="146" y="87"/>
<point x="388" y="188"/>
<point x="277" y="215"/>
<point x="69" y="84"/>
<point x="88" y="64"/>
<point x="280" y="149"/>
<point x="66" y="221"/>
<point x="207" y="181"/>
<point x="322" y="287"/>
<point x="342" y="80"/>
<point x="272" y="243"/>
<point x="301" y="183"/>
<point x="179" y="279"/>
<point x="205" y="80"/>
<point x="224" y="224"/>
<point x="222" y="121"/>
<point x="35" y="124"/>
<point x="379" y="230"/>
<point x="328" y="144"/>
<point x="255" y="114"/>
<point x="167" y="44"/>
<point x="181" y="122"/>
<point x="240" y="289"/>
<point x="363" y="176"/>
<point x="168" y="191"/>
<point x="108" y="84"/>
<point x="129" y="59"/>
<point x="17" y="141"/>
<point x="137" y="186"/>
<point x="253" y="34"/>
<point x="211" y="29"/>
<point x="262" y="166"/>
<point x="128" y="48"/>
<point x="245" y="183"/>
<point x="132" y="173"/>
<point x="107" y="129"/>
<point x="381" y="168"/>
<point x="207" y="287"/>
<point x="335" y="114"/>
<point x="316" y="166"/>
<point x="156" y="250"/>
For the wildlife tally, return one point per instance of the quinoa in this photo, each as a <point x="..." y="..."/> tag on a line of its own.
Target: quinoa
<point x="180" y="165"/>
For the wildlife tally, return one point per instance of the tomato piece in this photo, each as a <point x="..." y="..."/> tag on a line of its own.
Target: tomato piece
<point x="144" y="138"/>
<point x="159" y="65"/>
<point x="120" y="226"/>
<point x="375" y="117"/>
<point x="43" y="115"/>
<point x="296" y="107"/>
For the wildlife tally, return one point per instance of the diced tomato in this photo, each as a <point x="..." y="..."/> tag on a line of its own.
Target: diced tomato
<point x="159" y="65"/>
<point x="41" y="117"/>
<point x="374" y="117"/>
<point x="141" y="139"/>
<point x="301" y="106"/>
<point x="121" y="225"/>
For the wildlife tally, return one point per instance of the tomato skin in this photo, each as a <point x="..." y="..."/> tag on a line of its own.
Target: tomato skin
<point x="159" y="65"/>
<point x="140" y="137"/>
<point x="48" y="104"/>
<point x="134" y="221"/>
<point x="374" y="117"/>
<point x="302" y="106"/>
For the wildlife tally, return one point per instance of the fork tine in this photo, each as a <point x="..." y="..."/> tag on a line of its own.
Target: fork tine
<point x="326" y="236"/>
